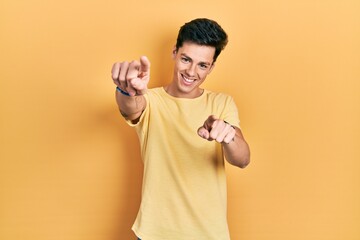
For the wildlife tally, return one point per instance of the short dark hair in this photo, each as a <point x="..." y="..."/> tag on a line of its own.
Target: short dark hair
<point x="205" y="32"/>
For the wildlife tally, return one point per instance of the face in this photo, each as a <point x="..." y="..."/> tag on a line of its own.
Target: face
<point x="193" y="63"/>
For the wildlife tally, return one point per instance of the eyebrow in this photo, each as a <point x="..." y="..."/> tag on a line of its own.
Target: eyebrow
<point x="184" y="55"/>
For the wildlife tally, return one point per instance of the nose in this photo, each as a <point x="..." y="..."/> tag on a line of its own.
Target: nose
<point x="191" y="70"/>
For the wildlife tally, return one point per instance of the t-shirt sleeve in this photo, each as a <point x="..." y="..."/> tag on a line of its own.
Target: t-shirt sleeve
<point x="230" y="113"/>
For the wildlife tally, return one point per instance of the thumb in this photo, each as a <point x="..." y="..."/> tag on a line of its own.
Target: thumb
<point x="144" y="65"/>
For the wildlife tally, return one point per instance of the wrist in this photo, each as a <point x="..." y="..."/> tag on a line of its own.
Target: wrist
<point x="229" y="124"/>
<point x="122" y="91"/>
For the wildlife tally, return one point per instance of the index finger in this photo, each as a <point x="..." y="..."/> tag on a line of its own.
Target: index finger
<point x="133" y="70"/>
<point x="144" y="64"/>
<point x="209" y="123"/>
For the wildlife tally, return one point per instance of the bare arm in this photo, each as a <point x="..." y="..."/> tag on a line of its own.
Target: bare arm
<point x="130" y="107"/>
<point x="236" y="150"/>
<point x="131" y="78"/>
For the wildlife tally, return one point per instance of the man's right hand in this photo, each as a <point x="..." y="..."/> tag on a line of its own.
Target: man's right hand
<point x="132" y="77"/>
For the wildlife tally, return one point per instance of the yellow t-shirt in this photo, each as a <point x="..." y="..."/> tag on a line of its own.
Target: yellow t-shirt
<point x="184" y="184"/>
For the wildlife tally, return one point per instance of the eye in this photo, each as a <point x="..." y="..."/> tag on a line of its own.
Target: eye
<point x="185" y="60"/>
<point x="203" y="66"/>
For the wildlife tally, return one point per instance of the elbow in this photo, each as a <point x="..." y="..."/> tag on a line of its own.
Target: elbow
<point x="241" y="162"/>
<point x="245" y="163"/>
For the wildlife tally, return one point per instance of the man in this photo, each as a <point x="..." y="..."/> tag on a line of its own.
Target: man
<point x="185" y="132"/>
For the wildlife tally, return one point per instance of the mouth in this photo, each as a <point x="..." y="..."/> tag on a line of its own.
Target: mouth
<point x="187" y="81"/>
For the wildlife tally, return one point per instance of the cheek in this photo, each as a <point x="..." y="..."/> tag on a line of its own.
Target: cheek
<point x="202" y="75"/>
<point x="180" y="67"/>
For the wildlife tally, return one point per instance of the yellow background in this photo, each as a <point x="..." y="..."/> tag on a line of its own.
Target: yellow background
<point x="70" y="167"/>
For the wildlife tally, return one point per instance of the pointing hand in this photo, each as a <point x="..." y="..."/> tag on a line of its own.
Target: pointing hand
<point x="132" y="77"/>
<point x="217" y="129"/>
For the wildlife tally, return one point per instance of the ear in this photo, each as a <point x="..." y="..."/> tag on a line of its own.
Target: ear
<point x="174" y="52"/>
<point x="211" y="68"/>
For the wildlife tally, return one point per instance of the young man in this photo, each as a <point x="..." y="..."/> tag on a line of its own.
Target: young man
<point x="185" y="132"/>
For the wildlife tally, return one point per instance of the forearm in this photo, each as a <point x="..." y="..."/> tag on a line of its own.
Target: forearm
<point x="130" y="107"/>
<point x="237" y="152"/>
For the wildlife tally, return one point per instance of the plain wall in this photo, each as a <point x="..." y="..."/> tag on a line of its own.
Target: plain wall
<point x="70" y="167"/>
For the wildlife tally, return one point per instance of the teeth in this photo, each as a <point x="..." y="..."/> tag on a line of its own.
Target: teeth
<point x="188" y="80"/>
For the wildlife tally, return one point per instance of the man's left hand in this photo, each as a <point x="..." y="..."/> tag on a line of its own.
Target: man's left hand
<point x="217" y="129"/>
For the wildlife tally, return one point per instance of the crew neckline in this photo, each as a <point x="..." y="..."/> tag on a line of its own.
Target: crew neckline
<point x="182" y="98"/>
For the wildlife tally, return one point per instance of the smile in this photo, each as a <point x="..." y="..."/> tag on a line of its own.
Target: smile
<point x="187" y="79"/>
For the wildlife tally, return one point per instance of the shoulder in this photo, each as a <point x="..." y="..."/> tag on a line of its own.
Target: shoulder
<point x="220" y="101"/>
<point x="217" y="96"/>
<point x="158" y="91"/>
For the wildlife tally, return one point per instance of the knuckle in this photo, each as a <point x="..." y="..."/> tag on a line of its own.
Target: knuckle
<point x="123" y="65"/>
